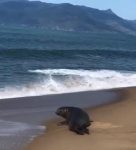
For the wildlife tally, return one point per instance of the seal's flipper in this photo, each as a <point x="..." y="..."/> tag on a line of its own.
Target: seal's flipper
<point x="62" y="123"/>
<point x="86" y="131"/>
<point x="80" y="132"/>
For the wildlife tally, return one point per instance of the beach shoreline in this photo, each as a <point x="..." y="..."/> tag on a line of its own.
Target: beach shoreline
<point x="113" y="128"/>
<point x="22" y="119"/>
<point x="32" y="119"/>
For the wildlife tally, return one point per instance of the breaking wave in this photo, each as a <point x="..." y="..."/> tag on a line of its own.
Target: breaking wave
<point x="54" y="81"/>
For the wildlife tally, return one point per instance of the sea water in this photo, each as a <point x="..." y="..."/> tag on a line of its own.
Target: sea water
<point x="38" y="62"/>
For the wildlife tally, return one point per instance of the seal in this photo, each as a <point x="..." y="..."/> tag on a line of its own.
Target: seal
<point x="76" y="118"/>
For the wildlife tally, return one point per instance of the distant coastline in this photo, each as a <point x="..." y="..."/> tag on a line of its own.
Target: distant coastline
<point x="63" y="17"/>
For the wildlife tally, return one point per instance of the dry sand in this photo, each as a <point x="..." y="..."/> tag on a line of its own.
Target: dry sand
<point x="114" y="128"/>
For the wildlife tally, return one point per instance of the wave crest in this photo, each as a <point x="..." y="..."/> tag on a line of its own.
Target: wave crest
<point x="53" y="81"/>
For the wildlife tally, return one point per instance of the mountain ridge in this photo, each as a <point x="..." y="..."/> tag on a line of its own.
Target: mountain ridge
<point x="63" y="16"/>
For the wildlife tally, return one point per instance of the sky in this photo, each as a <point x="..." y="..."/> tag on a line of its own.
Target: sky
<point x="123" y="8"/>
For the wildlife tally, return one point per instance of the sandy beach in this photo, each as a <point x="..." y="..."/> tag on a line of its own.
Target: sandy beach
<point x="22" y="119"/>
<point x="114" y="128"/>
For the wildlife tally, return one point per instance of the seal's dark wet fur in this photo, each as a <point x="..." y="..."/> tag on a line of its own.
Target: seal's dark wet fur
<point x="76" y="118"/>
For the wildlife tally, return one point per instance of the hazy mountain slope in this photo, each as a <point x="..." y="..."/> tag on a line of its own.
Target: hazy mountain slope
<point x="62" y="17"/>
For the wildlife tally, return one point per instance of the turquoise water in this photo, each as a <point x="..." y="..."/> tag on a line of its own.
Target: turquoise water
<point x="37" y="61"/>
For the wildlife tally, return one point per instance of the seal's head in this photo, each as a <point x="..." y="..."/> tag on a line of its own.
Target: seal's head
<point x="62" y="111"/>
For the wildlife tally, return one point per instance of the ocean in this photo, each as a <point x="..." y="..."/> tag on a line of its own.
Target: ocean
<point x="40" y="62"/>
<point x="36" y="62"/>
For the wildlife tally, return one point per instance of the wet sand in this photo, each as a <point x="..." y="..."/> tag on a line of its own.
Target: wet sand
<point x="21" y="119"/>
<point x="114" y="128"/>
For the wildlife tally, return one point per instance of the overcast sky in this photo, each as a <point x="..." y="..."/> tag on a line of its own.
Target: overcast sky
<point x="123" y="8"/>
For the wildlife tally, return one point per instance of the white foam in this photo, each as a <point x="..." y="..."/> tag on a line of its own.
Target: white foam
<point x="9" y="128"/>
<point x="55" y="81"/>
